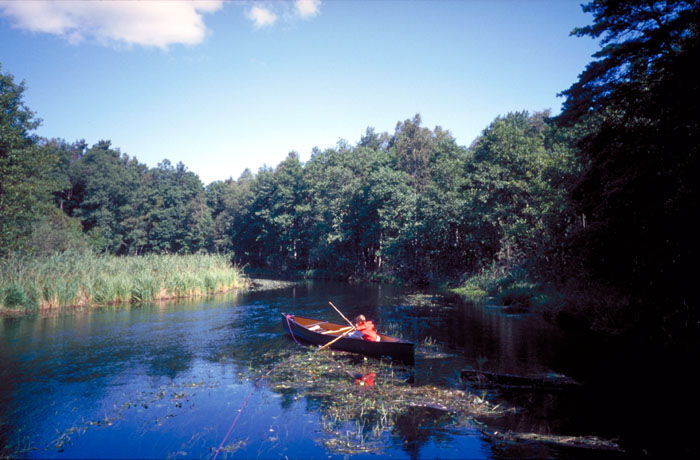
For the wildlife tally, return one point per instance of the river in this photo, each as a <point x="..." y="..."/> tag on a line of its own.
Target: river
<point x="180" y="379"/>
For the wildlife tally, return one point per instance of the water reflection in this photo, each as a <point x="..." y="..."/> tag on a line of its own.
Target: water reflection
<point x="420" y="425"/>
<point x="167" y="379"/>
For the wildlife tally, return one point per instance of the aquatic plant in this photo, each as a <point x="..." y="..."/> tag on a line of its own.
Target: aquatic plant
<point x="429" y="342"/>
<point x="86" y="279"/>
<point x="361" y="401"/>
<point x="470" y="291"/>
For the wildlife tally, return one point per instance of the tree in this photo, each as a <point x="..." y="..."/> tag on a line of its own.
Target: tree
<point x="391" y="201"/>
<point x="442" y="212"/>
<point x="25" y="191"/>
<point x="67" y="155"/>
<point x="56" y="232"/>
<point x="413" y="145"/>
<point x="280" y="209"/>
<point x="331" y="185"/>
<point x="177" y="215"/>
<point x="636" y="107"/>
<point x="228" y="201"/>
<point x="374" y="141"/>
<point x="109" y="198"/>
<point x="345" y="213"/>
<point x="198" y="225"/>
<point x="507" y="189"/>
<point x="251" y="230"/>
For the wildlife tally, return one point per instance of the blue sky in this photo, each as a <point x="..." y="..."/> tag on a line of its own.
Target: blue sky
<point x="224" y="86"/>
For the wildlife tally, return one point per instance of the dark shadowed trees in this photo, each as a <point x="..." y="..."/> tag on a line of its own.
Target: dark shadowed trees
<point x="636" y="108"/>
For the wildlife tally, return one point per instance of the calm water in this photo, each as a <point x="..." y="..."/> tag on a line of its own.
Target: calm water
<point x="168" y="381"/>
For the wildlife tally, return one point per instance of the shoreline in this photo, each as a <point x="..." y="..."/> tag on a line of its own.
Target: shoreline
<point x="249" y="285"/>
<point x="85" y="280"/>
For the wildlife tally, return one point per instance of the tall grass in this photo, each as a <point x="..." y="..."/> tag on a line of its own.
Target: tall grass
<point x="86" y="279"/>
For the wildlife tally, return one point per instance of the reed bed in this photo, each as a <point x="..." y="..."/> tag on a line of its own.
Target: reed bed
<point x="86" y="279"/>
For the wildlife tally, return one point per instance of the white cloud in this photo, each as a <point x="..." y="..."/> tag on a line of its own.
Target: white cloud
<point x="261" y="16"/>
<point x="269" y="12"/>
<point x="146" y="23"/>
<point x="307" y="8"/>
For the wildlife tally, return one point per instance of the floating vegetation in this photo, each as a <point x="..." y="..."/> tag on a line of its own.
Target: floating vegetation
<point x="470" y="291"/>
<point x="363" y="400"/>
<point x="584" y="442"/>
<point x="432" y="353"/>
<point x="230" y="447"/>
<point x="171" y="395"/>
<point x="429" y="342"/>
<point x="392" y="328"/>
<point x="430" y="348"/>
<point x="481" y="378"/>
<point x="423" y="300"/>
<point x="262" y="284"/>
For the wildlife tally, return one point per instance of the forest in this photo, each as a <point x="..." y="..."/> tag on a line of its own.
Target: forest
<point x="585" y="215"/>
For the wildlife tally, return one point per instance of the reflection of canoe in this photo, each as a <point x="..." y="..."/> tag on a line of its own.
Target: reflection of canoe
<point x="312" y="331"/>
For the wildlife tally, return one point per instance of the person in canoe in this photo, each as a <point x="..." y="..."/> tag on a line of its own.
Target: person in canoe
<point x="366" y="328"/>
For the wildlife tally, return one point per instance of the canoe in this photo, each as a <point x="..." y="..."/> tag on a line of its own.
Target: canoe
<point x="312" y="331"/>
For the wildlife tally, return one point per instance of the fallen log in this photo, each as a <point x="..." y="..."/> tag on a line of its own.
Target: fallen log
<point x="551" y="381"/>
<point x="582" y="442"/>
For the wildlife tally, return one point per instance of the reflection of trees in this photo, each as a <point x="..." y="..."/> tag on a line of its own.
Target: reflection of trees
<point x="288" y="397"/>
<point x="417" y="425"/>
<point x="546" y="412"/>
<point x="508" y="450"/>
<point x="515" y="344"/>
<point x="169" y="360"/>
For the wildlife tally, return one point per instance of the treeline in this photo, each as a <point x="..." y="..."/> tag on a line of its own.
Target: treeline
<point x="413" y="204"/>
<point x="126" y="208"/>
<point x="594" y="207"/>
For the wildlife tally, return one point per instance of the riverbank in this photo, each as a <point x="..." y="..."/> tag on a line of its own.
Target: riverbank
<point x="31" y="284"/>
<point x="576" y="304"/>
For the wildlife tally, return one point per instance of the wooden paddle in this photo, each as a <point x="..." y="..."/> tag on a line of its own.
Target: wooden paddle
<point x="341" y="314"/>
<point x="337" y="330"/>
<point x="336" y="339"/>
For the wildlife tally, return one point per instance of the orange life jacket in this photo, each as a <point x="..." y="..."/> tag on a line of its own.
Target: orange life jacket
<point x="368" y="332"/>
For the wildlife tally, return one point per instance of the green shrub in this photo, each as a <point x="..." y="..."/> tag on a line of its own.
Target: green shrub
<point x="14" y="296"/>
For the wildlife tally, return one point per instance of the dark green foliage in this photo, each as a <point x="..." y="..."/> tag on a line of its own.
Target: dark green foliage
<point x="126" y="208"/>
<point x="414" y="147"/>
<point x="413" y="205"/>
<point x="56" y="232"/>
<point x="15" y="296"/>
<point x="227" y="201"/>
<point x="25" y="179"/>
<point x="178" y="219"/>
<point x="348" y="195"/>
<point x="636" y="109"/>
<point x="517" y="185"/>
<point x="107" y="196"/>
